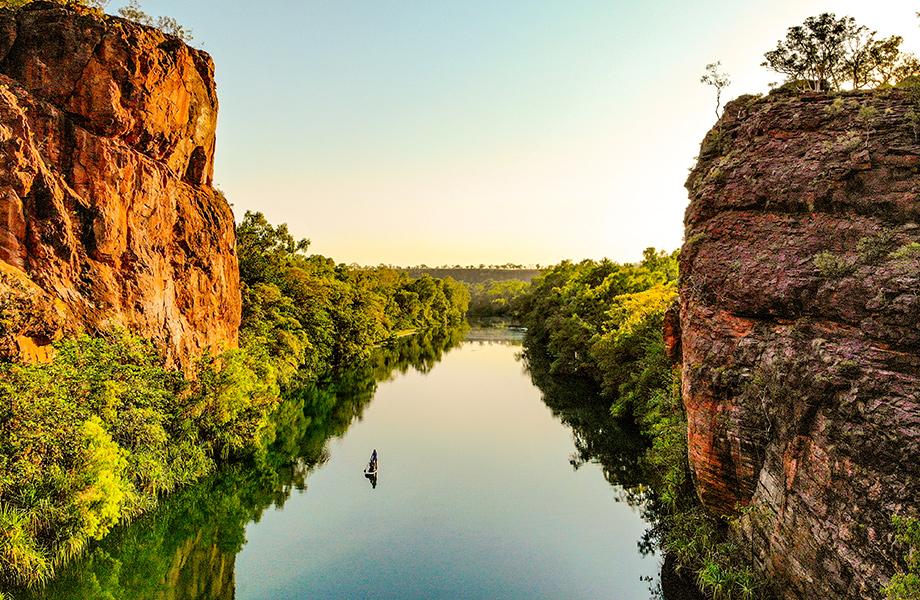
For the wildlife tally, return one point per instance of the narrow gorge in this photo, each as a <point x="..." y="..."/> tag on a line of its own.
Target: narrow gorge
<point x="172" y="374"/>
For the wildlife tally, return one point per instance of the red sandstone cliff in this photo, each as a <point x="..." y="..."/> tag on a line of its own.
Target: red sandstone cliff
<point x="800" y="332"/>
<point x="106" y="205"/>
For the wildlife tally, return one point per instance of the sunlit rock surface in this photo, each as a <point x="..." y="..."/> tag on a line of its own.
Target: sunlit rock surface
<point x="106" y="161"/>
<point x="800" y="331"/>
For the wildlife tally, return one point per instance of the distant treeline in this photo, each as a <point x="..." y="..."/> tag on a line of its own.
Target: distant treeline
<point x="475" y="274"/>
<point x="494" y="290"/>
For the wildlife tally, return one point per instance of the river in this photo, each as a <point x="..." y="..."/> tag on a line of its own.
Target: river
<point x="494" y="482"/>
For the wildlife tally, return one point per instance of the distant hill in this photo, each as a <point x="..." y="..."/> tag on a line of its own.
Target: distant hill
<point x="475" y="275"/>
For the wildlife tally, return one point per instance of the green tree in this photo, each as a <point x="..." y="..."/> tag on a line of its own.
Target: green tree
<point x="814" y="52"/>
<point x="905" y="585"/>
<point x="826" y="53"/>
<point x="306" y="315"/>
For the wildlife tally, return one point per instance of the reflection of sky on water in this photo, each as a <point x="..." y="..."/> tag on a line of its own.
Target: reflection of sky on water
<point x="511" y="336"/>
<point x="476" y="498"/>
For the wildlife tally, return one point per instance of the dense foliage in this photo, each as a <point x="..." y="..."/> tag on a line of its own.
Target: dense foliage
<point x="905" y="585"/>
<point x="305" y="314"/>
<point x="573" y="307"/>
<point x="496" y="298"/>
<point x="827" y="53"/>
<point x="97" y="435"/>
<point x="602" y="321"/>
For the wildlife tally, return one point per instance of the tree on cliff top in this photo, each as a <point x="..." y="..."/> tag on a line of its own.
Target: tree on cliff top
<point x="813" y="51"/>
<point x="827" y="53"/>
<point x="168" y="25"/>
<point x="132" y="11"/>
<point x="718" y="79"/>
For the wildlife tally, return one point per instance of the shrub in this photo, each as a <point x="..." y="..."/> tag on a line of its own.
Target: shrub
<point x="697" y="541"/>
<point x="906" y="584"/>
<point x="873" y="249"/>
<point x="907" y="251"/>
<point x="913" y="118"/>
<point x="831" y="266"/>
<point x="836" y="107"/>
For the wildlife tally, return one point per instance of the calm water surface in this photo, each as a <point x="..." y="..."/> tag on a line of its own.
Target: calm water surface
<point x="484" y="491"/>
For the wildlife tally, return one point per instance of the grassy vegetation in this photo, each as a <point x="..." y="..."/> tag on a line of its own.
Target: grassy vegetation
<point x="907" y="251"/>
<point x="873" y="249"/>
<point x="99" y="434"/>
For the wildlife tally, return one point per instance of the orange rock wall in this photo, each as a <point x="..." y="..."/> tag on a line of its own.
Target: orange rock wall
<point x="107" y="135"/>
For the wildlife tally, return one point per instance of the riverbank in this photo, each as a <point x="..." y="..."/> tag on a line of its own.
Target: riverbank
<point x="602" y="323"/>
<point x="465" y="441"/>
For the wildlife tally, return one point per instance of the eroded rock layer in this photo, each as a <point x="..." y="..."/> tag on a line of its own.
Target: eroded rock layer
<point x="107" y="133"/>
<point x="800" y="332"/>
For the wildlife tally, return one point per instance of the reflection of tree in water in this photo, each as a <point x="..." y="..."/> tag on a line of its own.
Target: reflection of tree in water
<point x="186" y="548"/>
<point x="420" y="352"/>
<point x="618" y="447"/>
<point x="615" y="445"/>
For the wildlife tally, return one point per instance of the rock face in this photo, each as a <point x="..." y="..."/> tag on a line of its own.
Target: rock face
<point x="800" y="330"/>
<point x="106" y="159"/>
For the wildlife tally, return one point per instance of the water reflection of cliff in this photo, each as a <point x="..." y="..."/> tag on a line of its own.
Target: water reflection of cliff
<point x="187" y="547"/>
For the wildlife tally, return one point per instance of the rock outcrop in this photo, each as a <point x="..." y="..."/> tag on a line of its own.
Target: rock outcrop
<point x="107" y="132"/>
<point x="800" y="330"/>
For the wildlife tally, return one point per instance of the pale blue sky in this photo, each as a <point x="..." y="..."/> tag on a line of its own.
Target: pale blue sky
<point x="480" y="131"/>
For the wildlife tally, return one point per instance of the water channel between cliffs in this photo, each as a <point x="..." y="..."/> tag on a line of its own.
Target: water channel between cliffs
<point x="490" y="486"/>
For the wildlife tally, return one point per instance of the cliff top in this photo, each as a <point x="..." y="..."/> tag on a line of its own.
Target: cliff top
<point x="117" y="79"/>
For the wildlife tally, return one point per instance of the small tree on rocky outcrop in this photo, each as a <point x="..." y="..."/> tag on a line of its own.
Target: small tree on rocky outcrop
<point x="717" y="79"/>
<point x="828" y="53"/>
